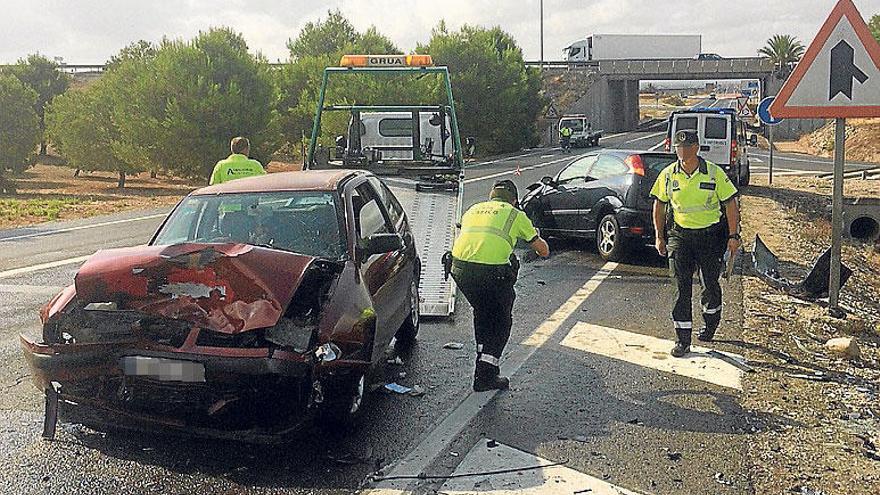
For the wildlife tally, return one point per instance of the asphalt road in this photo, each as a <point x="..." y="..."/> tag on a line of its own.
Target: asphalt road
<point x="615" y="413"/>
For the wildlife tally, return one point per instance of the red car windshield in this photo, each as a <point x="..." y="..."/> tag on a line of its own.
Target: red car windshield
<point x="300" y="222"/>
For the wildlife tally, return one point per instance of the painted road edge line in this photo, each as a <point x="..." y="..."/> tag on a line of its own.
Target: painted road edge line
<point x="523" y="169"/>
<point x="81" y="227"/>
<point x="438" y="438"/>
<point x="42" y="266"/>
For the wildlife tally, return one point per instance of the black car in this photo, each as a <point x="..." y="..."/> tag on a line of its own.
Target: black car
<point x="603" y="195"/>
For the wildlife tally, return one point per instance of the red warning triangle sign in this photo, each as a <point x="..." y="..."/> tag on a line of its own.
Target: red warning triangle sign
<point x="839" y="75"/>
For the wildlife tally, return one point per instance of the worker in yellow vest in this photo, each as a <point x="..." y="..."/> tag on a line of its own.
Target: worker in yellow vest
<point x="689" y="196"/>
<point x="237" y="165"/>
<point x="485" y="269"/>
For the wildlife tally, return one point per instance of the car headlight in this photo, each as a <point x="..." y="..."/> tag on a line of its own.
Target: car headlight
<point x="288" y="333"/>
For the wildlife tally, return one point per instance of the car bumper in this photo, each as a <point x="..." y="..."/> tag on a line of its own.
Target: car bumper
<point x="636" y="224"/>
<point x="244" y="397"/>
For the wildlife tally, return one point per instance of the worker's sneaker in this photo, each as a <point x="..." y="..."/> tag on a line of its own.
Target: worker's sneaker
<point x="706" y="335"/>
<point x="680" y="350"/>
<point x="493" y="383"/>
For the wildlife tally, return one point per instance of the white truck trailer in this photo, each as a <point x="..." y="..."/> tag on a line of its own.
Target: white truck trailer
<point x="633" y="46"/>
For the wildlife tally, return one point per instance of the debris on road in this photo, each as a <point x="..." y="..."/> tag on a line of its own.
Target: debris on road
<point x="396" y="361"/>
<point x="813" y="287"/>
<point x="397" y="388"/>
<point x="455" y="346"/>
<point x="416" y="391"/>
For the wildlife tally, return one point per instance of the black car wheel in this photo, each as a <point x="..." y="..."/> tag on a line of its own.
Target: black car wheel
<point x="409" y="330"/>
<point x="609" y="241"/>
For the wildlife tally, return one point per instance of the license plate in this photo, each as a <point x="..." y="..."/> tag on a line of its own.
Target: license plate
<point x="166" y="370"/>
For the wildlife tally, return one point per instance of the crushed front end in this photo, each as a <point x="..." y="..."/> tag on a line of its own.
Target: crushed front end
<point x="221" y="340"/>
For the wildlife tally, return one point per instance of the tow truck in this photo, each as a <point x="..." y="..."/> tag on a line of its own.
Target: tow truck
<point x="415" y="150"/>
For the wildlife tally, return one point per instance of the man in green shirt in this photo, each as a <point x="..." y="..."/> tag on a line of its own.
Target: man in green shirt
<point x="237" y="165"/>
<point x="695" y="191"/>
<point x="484" y="268"/>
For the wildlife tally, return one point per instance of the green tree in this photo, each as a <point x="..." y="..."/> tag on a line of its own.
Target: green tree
<point x="497" y="96"/>
<point x="181" y="107"/>
<point x="137" y="51"/>
<point x="874" y="24"/>
<point x="80" y="125"/>
<point x="19" y="124"/>
<point x="321" y="44"/>
<point x="41" y="75"/>
<point x="785" y="51"/>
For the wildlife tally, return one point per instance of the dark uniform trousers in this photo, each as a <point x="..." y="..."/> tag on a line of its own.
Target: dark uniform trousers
<point x="489" y="289"/>
<point x="691" y="250"/>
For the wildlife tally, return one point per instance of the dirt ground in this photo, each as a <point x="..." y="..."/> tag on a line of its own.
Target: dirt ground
<point x="825" y="432"/>
<point x="862" y="141"/>
<point x="50" y="192"/>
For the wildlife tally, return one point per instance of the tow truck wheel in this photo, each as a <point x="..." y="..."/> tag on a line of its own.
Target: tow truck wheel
<point x="407" y="333"/>
<point x="609" y="241"/>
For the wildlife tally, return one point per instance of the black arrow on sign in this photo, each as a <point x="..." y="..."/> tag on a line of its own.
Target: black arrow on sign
<point x="844" y="70"/>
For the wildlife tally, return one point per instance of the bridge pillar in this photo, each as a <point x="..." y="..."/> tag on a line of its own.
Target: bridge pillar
<point x="621" y="106"/>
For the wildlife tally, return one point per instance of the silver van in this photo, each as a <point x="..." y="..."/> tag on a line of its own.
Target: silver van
<point x="722" y="139"/>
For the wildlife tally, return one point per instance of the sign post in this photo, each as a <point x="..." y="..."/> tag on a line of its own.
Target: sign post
<point x="770" y="121"/>
<point x="839" y="77"/>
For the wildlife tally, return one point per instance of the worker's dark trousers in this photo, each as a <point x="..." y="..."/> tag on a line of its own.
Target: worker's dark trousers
<point x="489" y="290"/>
<point x="690" y="250"/>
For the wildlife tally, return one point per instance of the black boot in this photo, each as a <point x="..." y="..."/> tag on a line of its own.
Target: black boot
<point x="683" y="343"/>
<point x="486" y="378"/>
<point x="706" y="334"/>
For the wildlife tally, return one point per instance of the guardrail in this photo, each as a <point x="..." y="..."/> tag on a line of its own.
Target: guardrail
<point x="664" y="66"/>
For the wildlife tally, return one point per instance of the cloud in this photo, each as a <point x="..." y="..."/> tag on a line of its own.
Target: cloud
<point x="90" y="31"/>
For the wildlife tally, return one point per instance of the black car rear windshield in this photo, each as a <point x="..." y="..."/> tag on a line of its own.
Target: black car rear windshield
<point x="657" y="162"/>
<point x="300" y="222"/>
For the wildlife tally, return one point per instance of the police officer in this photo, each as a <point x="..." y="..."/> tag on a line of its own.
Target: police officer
<point x="485" y="269"/>
<point x="237" y="165"/>
<point x="699" y="196"/>
<point x="565" y="137"/>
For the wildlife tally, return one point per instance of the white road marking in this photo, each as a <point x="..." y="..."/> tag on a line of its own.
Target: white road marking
<point x="651" y="352"/>
<point x="523" y="169"/>
<point x="421" y="457"/>
<point x="549" y="480"/>
<point x="612" y="136"/>
<point x="649" y="136"/>
<point x="42" y="266"/>
<point x="81" y="227"/>
<point x="657" y="146"/>
<point x="39" y="290"/>
<point x="508" y="158"/>
<point x="548" y="156"/>
<point x="755" y="159"/>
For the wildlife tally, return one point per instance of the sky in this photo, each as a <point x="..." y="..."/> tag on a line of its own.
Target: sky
<point x="90" y="31"/>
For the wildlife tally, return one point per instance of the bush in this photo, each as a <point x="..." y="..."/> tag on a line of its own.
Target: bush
<point x="19" y="124"/>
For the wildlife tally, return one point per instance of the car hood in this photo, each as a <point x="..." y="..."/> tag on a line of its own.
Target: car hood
<point x="228" y="288"/>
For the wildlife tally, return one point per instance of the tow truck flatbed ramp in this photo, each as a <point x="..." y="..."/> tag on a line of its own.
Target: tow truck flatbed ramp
<point x="433" y="215"/>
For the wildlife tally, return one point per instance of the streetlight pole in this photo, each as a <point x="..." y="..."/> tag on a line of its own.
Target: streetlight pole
<point x="542" y="33"/>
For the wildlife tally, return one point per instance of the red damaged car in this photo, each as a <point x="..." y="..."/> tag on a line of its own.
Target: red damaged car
<point x="259" y="304"/>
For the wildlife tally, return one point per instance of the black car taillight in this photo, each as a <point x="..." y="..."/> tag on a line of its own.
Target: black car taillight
<point x="635" y="164"/>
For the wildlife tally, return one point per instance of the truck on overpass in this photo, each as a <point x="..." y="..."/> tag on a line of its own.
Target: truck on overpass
<point x="633" y="46"/>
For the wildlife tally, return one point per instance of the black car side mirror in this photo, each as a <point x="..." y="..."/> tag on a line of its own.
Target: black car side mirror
<point x="548" y="181"/>
<point x="381" y="244"/>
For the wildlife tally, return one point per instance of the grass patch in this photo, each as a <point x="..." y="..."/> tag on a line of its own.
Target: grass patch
<point x="40" y="209"/>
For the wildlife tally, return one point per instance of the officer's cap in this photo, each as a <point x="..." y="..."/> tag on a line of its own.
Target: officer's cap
<point x="685" y="138"/>
<point x="506" y="190"/>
